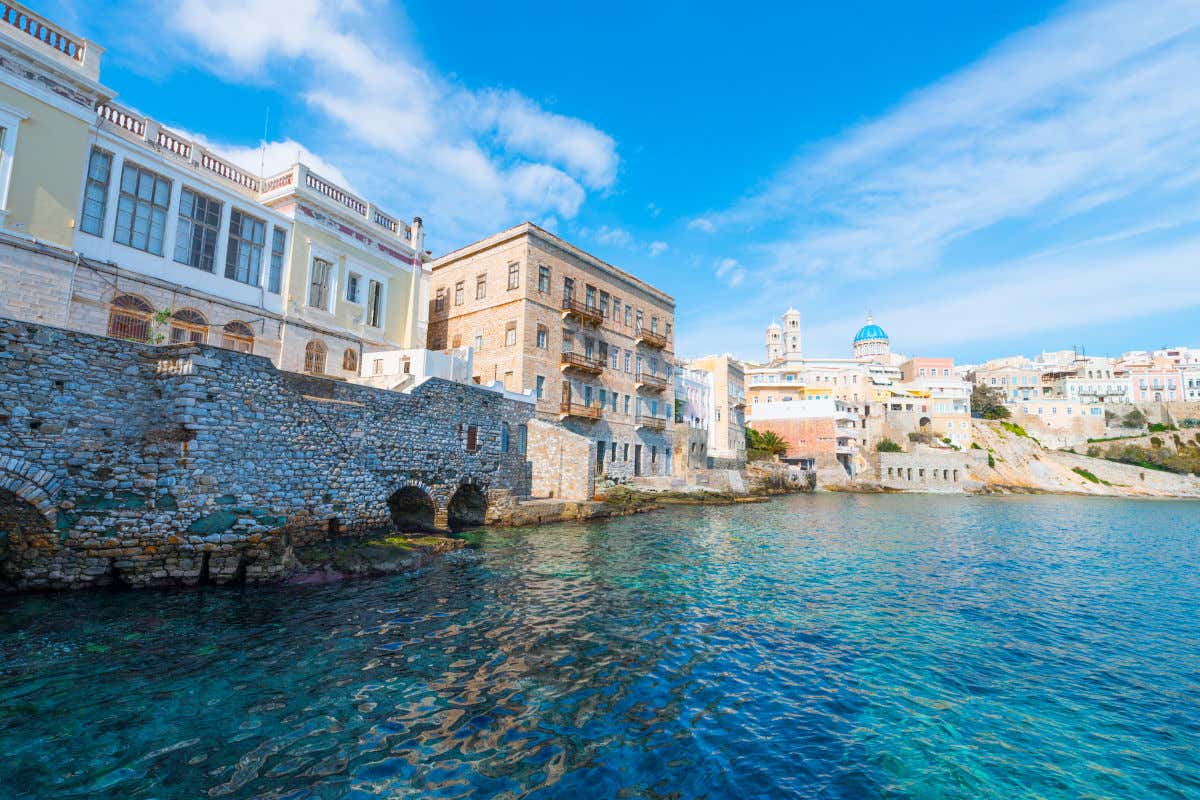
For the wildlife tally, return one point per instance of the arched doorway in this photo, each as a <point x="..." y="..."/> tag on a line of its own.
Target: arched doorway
<point x="412" y="509"/>
<point x="24" y="534"/>
<point x="467" y="508"/>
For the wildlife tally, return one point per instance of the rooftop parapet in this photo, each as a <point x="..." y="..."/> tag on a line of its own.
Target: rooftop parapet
<point x="296" y="179"/>
<point x="49" y="41"/>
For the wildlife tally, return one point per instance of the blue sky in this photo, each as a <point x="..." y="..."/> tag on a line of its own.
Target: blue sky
<point x="986" y="178"/>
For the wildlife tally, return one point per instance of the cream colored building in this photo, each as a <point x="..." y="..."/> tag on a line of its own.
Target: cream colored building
<point x="114" y="223"/>
<point x="591" y="341"/>
<point x="727" y="429"/>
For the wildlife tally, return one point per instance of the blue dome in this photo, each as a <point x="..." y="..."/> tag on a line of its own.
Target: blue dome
<point x="869" y="332"/>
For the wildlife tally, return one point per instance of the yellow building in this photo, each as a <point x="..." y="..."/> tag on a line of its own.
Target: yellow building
<point x="113" y="223"/>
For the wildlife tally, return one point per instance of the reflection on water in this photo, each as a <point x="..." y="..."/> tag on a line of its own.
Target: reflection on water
<point x="818" y="646"/>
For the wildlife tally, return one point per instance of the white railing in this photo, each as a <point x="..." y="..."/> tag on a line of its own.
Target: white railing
<point x="122" y="118"/>
<point x="40" y="29"/>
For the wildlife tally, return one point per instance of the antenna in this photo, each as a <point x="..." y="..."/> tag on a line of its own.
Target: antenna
<point x="262" y="161"/>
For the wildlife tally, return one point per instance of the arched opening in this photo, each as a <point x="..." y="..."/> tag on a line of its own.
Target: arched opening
<point x="350" y="361"/>
<point x="412" y="509"/>
<point x="314" y="357"/>
<point x="237" y="335"/>
<point x="24" y="534"/>
<point x="129" y="318"/>
<point x="188" y="325"/>
<point x="924" y="423"/>
<point x="467" y="508"/>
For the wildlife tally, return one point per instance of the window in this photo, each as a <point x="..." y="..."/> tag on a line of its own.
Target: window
<point x="627" y="361"/>
<point x="142" y="209"/>
<point x="352" y="282"/>
<point x="541" y="387"/>
<point x="318" y="287"/>
<point x="504" y="434"/>
<point x="377" y="366"/>
<point x="129" y="318"/>
<point x="544" y="280"/>
<point x="243" y="259"/>
<point x="604" y="305"/>
<point x="543" y="337"/>
<point x="614" y="405"/>
<point x="350" y="360"/>
<point x="196" y="234"/>
<point x="458" y="293"/>
<point x="510" y="334"/>
<point x="238" y="336"/>
<point x="522" y="438"/>
<point x="616" y="357"/>
<point x="627" y="404"/>
<point x="472" y="438"/>
<point x="314" y="357"/>
<point x="639" y="321"/>
<point x="625" y="450"/>
<point x="95" y="192"/>
<point x="628" y="316"/>
<point x="375" y="304"/>
<point x="616" y="310"/>
<point x="275" y="273"/>
<point x="439" y="300"/>
<point x="481" y="287"/>
<point x="568" y="289"/>
<point x="188" y="325"/>
<point x="590" y="297"/>
<point x="654" y="325"/>
<point x="514" y="276"/>
<point x="478" y="342"/>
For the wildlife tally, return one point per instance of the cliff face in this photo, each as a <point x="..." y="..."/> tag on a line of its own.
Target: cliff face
<point x="1021" y="464"/>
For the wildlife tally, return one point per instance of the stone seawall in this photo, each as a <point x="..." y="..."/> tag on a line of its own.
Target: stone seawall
<point x="141" y="465"/>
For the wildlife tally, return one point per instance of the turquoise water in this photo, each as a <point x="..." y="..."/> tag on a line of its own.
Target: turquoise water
<point x="815" y="647"/>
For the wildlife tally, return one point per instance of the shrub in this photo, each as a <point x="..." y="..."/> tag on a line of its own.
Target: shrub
<point x="1014" y="428"/>
<point x="1156" y="442"/>
<point x="991" y="461"/>
<point x="888" y="446"/>
<point x="1134" y="419"/>
<point x="975" y="446"/>
<point x="997" y="412"/>
<point x="1158" y="427"/>
<point x="1083" y="473"/>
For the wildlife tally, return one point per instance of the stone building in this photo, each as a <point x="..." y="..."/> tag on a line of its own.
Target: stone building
<point x="129" y="463"/>
<point x="115" y="224"/>
<point x="593" y="343"/>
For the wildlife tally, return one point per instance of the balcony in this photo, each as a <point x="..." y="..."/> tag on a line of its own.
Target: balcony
<point x="649" y="338"/>
<point x="651" y="382"/>
<point x="651" y="422"/>
<point x="592" y="366"/>
<point x="738" y="401"/>
<point x="582" y="410"/>
<point x="581" y="311"/>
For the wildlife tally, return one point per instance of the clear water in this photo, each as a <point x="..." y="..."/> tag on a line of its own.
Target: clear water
<point x="815" y="647"/>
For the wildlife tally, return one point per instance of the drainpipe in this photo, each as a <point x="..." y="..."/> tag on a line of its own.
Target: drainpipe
<point x="71" y="289"/>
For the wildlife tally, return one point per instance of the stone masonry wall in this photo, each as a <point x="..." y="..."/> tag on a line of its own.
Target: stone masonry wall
<point x="564" y="463"/>
<point x="927" y="469"/>
<point x="172" y="465"/>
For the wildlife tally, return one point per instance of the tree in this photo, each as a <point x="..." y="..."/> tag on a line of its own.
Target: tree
<point x="1135" y="419"/>
<point x="764" y="444"/>
<point x="988" y="402"/>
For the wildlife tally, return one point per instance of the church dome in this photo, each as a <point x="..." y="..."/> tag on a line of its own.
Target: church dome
<point x="869" y="332"/>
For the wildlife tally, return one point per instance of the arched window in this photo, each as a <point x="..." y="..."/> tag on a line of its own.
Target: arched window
<point x="350" y="360"/>
<point x="129" y="318"/>
<point x="314" y="357"/>
<point x="188" y="325"/>
<point x="238" y="336"/>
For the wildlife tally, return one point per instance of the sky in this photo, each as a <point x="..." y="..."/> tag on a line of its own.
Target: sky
<point x="984" y="178"/>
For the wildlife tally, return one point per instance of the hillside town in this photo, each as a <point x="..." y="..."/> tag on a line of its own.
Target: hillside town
<point x="116" y="226"/>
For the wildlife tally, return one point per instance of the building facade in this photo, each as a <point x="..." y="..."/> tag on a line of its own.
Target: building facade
<point x="117" y="225"/>
<point x="593" y="343"/>
<point x="727" y="429"/>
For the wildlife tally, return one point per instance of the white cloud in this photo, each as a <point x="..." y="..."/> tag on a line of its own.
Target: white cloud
<point x="658" y="248"/>
<point x="730" y="271"/>
<point x="469" y="161"/>
<point x="702" y="224"/>
<point x="654" y="210"/>
<point x="1092" y="109"/>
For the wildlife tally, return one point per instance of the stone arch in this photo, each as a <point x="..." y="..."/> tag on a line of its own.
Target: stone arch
<point x="27" y="537"/>
<point x="30" y="483"/>
<point x="467" y="507"/>
<point x="412" y="507"/>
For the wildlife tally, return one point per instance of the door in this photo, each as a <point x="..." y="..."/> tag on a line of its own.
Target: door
<point x="599" y="458"/>
<point x="637" y="460"/>
<point x="566" y="395"/>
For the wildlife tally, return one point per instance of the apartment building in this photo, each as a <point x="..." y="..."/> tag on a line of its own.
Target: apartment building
<point x="727" y="427"/>
<point x="593" y="343"/>
<point x="115" y="224"/>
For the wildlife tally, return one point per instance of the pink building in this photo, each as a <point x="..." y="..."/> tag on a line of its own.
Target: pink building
<point x="928" y="368"/>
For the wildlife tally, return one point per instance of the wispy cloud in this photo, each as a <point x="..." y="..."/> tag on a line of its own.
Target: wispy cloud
<point x="730" y="272"/>
<point x="469" y="160"/>
<point x="658" y="248"/>
<point x="1066" y="134"/>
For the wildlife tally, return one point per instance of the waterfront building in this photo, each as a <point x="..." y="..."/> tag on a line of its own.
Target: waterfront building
<point x="727" y="429"/>
<point x="694" y="409"/>
<point x="116" y="224"/>
<point x="820" y="434"/>
<point x="593" y="343"/>
<point x="1060" y="422"/>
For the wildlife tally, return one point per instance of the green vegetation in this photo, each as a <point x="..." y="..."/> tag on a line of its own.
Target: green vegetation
<point x="1158" y="427"/>
<point x="1183" y="461"/>
<point x="1083" y="473"/>
<point x="1135" y="419"/>
<point x="888" y="446"/>
<point x="975" y="446"/>
<point x="1190" y="422"/>
<point x="1015" y="429"/>
<point x="764" y="445"/>
<point x="991" y="461"/>
<point x="988" y="402"/>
